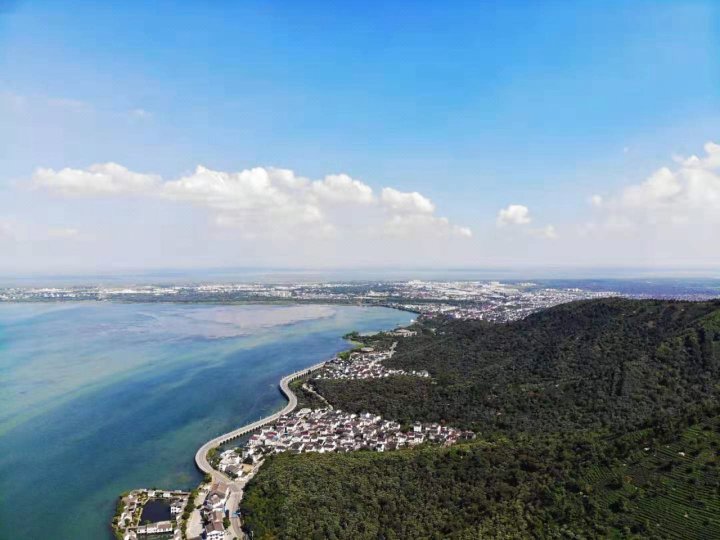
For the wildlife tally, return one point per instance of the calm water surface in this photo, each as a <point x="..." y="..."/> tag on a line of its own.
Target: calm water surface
<point x="100" y="398"/>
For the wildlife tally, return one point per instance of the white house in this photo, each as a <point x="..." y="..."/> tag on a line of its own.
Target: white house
<point x="217" y="496"/>
<point x="155" y="528"/>
<point x="214" y="530"/>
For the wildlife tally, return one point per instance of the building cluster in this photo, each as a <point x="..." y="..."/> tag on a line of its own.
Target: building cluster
<point x="128" y="520"/>
<point x="232" y="464"/>
<point x="364" y="364"/>
<point x="328" y="430"/>
<point x="214" y="511"/>
<point x="403" y="333"/>
<point x="490" y="301"/>
<point x="477" y="299"/>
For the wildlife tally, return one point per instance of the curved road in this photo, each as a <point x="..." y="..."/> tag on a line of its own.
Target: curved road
<point x="201" y="455"/>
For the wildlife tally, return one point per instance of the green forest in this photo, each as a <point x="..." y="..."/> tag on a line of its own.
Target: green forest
<point x="595" y="419"/>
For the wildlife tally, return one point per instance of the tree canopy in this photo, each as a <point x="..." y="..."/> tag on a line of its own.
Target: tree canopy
<point x="596" y="419"/>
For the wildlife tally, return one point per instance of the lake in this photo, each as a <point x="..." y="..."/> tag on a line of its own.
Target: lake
<point x="100" y="398"/>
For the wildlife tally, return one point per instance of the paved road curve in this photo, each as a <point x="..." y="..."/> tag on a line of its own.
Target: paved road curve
<point x="201" y="455"/>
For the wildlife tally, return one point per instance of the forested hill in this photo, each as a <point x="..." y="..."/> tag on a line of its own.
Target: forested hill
<point x="612" y="363"/>
<point x="596" y="419"/>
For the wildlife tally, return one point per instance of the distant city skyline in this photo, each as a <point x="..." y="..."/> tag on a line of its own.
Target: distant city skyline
<point x="493" y="135"/>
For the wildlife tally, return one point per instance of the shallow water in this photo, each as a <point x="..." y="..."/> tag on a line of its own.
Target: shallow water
<point x="100" y="398"/>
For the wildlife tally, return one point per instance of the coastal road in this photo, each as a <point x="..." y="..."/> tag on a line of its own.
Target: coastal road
<point x="201" y="456"/>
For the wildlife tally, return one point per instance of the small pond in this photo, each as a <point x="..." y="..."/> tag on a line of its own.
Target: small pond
<point x="155" y="510"/>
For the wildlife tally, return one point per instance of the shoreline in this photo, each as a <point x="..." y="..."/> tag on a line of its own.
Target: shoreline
<point x="201" y="455"/>
<point x="236" y="489"/>
<point x="190" y="524"/>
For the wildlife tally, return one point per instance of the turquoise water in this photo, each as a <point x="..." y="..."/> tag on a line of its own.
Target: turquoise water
<point x="100" y="398"/>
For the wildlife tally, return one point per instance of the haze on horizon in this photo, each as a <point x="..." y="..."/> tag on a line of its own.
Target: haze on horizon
<point x="373" y="135"/>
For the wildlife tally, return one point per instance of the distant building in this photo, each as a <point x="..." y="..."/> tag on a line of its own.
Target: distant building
<point x="404" y="332"/>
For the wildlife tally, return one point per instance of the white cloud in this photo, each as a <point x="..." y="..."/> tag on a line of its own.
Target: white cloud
<point x="413" y="202"/>
<point x="266" y="201"/>
<point x="340" y="188"/>
<point x="259" y="201"/>
<point x="412" y="214"/>
<point x="96" y="180"/>
<point x="688" y="193"/>
<point x="547" y="232"/>
<point x="660" y="187"/>
<point x="710" y="161"/>
<point x="246" y="190"/>
<point x="462" y="231"/>
<point x="404" y="225"/>
<point x="517" y="217"/>
<point x="514" y="214"/>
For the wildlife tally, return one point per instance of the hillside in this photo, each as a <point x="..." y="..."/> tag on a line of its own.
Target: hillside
<point x="596" y="419"/>
<point x="596" y="364"/>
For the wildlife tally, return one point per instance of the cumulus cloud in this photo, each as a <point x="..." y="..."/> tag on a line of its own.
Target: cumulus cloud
<point x="403" y="225"/>
<point x="97" y="180"/>
<point x="411" y="203"/>
<point x="710" y="161"/>
<point x="514" y="214"/>
<point x="259" y="201"/>
<point x="517" y="217"/>
<point x="340" y="188"/>
<point x="686" y="193"/>
<point x="265" y="200"/>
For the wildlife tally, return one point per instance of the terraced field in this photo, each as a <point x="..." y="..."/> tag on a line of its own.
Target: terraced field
<point x="670" y="491"/>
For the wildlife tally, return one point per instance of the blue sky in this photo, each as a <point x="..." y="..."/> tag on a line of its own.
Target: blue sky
<point x="476" y="106"/>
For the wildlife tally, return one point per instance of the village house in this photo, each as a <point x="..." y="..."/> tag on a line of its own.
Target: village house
<point x="217" y="496"/>
<point x="160" y="527"/>
<point x="331" y="430"/>
<point x="214" y="530"/>
<point x="177" y="506"/>
<point x="366" y="364"/>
